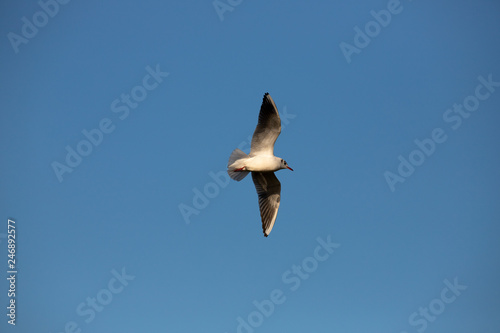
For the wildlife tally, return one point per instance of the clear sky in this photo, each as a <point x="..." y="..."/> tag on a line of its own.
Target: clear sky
<point x="117" y="121"/>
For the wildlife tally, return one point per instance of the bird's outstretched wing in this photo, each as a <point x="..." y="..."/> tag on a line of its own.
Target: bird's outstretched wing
<point x="268" y="188"/>
<point x="268" y="128"/>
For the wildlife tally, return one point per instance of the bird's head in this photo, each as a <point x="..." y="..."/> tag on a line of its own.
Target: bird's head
<point x="284" y="165"/>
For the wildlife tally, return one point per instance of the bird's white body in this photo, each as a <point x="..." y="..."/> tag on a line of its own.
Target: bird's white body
<point x="261" y="163"/>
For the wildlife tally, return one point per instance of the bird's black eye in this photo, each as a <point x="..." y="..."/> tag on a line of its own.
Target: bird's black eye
<point x="281" y="160"/>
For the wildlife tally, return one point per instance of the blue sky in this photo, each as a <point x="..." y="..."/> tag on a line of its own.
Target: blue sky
<point x="389" y="223"/>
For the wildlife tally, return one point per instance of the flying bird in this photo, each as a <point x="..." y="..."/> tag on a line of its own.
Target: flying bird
<point x="262" y="163"/>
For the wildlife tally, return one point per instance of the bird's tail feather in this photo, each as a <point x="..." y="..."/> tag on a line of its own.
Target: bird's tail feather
<point x="231" y="167"/>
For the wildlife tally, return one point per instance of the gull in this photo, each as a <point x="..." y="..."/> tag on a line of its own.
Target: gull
<point x="262" y="163"/>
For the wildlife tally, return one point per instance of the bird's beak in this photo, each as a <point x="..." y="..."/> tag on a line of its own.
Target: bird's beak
<point x="289" y="168"/>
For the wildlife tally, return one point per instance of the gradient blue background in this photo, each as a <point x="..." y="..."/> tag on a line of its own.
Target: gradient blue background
<point x="120" y="206"/>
